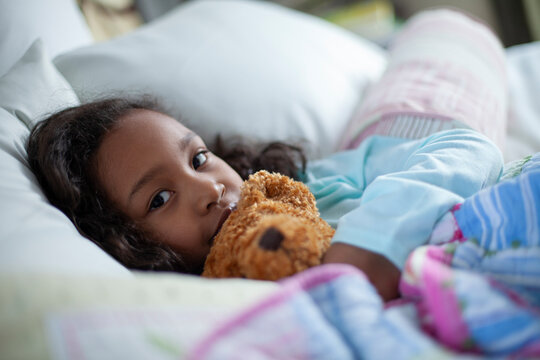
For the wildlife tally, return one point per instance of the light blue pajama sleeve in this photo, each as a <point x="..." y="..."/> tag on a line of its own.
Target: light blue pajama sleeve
<point x="386" y="195"/>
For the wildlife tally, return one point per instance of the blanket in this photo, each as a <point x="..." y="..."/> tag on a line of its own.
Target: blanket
<point x="472" y="291"/>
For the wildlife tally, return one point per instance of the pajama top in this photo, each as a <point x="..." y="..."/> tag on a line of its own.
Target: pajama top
<point x="386" y="195"/>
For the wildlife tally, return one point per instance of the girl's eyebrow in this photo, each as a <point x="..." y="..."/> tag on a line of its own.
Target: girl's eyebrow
<point x="186" y="140"/>
<point x="149" y="175"/>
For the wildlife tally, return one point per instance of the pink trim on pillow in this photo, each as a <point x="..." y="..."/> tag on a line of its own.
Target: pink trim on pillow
<point x="404" y="125"/>
<point x="445" y="71"/>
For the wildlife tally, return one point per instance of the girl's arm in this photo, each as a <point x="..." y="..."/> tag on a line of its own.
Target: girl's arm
<point x="379" y="270"/>
<point x="399" y="208"/>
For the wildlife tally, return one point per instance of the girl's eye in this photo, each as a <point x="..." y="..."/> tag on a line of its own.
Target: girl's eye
<point x="160" y="199"/>
<point x="199" y="159"/>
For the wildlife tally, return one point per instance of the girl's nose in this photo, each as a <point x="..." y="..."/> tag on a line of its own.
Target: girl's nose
<point x="208" y="193"/>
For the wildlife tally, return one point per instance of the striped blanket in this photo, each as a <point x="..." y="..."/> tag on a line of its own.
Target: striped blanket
<point x="472" y="292"/>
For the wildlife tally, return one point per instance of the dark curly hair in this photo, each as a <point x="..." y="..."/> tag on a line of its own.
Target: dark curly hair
<point x="61" y="152"/>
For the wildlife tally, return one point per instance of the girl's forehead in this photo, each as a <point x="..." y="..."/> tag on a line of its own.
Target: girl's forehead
<point x="143" y="119"/>
<point x="143" y="130"/>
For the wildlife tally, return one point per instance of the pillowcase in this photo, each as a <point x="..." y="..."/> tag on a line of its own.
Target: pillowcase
<point x="59" y="23"/>
<point x="236" y="67"/>
<point x="34" y="235"/>
<point x="445" y="70"/>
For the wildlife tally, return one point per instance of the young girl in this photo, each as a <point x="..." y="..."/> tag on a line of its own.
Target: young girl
<point x="149" y="191"/>
<point x="116" y="166"/>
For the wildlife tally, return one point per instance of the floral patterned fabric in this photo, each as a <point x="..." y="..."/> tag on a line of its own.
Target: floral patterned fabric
<point x="477" y="284"/>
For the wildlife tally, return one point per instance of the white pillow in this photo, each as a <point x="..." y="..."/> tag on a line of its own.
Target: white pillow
<point x="524" y="83"/>
<point x="237" y="67"/>
<point x="34" y="235"/>
<point x="58" y="22"/>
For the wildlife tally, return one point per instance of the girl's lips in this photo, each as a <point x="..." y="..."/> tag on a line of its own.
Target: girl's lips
<point x="224" y="216"/>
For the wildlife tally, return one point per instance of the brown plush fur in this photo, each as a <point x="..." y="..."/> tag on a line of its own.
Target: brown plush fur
<point x="275" y="232"/>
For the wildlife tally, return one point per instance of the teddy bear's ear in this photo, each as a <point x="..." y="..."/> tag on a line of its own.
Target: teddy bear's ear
<point x="280" y="188"/>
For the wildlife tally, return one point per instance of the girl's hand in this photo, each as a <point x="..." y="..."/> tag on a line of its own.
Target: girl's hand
<point x="382" y="273"/>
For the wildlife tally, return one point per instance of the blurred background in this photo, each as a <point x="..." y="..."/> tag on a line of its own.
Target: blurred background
<point x="515" y="21"/>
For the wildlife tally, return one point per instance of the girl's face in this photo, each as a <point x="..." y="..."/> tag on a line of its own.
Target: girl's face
<point x="161" y="175"/>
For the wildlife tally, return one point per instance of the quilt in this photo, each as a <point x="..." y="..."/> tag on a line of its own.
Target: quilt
<point x="473" y="291"/>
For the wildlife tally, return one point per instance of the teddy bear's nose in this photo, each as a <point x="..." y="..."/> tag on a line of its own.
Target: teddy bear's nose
<point x="271" y="239"/>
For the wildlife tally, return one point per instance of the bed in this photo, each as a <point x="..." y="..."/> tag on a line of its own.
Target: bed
<point x="216" y="67"/>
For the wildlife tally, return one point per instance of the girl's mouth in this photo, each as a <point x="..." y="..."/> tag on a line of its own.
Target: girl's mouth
<point x="224" y="216"/>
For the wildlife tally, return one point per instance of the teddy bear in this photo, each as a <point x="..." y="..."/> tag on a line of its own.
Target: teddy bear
<point x="275" y="232"/>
